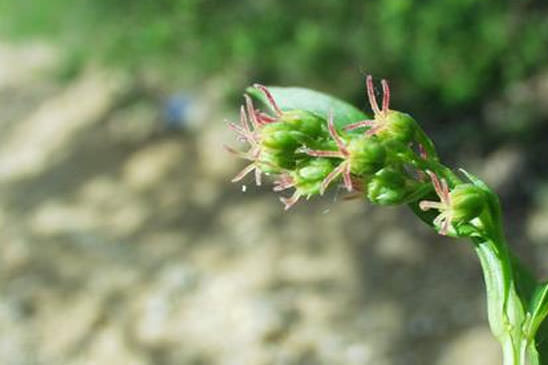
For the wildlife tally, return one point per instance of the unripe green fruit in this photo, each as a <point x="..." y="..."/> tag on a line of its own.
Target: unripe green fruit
<point x="367" y="155"/>
<point x="467" y="202"/>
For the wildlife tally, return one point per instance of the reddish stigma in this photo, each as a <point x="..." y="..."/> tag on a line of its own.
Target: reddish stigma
<point x="251" y="121"/>
<point x="341" y="152"/>
<point x="443" y="206"/>
<point x="379" y="122"/>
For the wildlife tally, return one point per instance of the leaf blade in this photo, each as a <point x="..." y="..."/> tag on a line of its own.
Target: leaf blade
<point x="538" y="307"/>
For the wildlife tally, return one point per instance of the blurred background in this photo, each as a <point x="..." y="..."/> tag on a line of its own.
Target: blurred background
<point x="122" y="240"/>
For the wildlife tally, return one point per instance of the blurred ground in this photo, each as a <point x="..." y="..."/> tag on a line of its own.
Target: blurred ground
<point x="124" y="243"/>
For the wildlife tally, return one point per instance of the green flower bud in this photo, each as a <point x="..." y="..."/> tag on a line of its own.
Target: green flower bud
<point x="467" y="202"/>
<point x="309" y="175"/>
<point x="305" y="122"/>
<point x="367" y="155"/>
<point x="387" y="124"/>
<point x="307" y="180"/>
<point x="456" y="207"/>
<point x="398" y="126"/>
<point x="279" y="136"/>
<point x="389" y="186"/>
<point x="274" y="161"/>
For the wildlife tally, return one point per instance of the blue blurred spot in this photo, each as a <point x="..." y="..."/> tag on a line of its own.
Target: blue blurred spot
<point x="176" y="111"/>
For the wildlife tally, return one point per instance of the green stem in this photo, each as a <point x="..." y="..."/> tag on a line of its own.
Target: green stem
<point x="506" y="312"/>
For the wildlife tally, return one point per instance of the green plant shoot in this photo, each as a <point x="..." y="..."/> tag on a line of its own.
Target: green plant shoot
<point x="311" y="141"/>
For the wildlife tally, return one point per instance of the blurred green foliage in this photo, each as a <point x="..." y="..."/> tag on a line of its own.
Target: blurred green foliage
<point x="439" y="52"/>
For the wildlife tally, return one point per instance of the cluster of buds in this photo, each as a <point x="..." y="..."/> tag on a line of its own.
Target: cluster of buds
<point x="387" y="159"/>
<point x="273" y="139"/>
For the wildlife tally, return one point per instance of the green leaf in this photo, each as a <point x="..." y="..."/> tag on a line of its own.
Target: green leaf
<point x="296" y="98"/>
<point x="541" y="342"/>
<point x="538" y="307"/>
<point x="525" y="281"/>
<point x="537" y="325"/>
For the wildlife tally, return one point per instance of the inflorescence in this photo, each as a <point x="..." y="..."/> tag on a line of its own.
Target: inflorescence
<point x="387" y="159"/>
